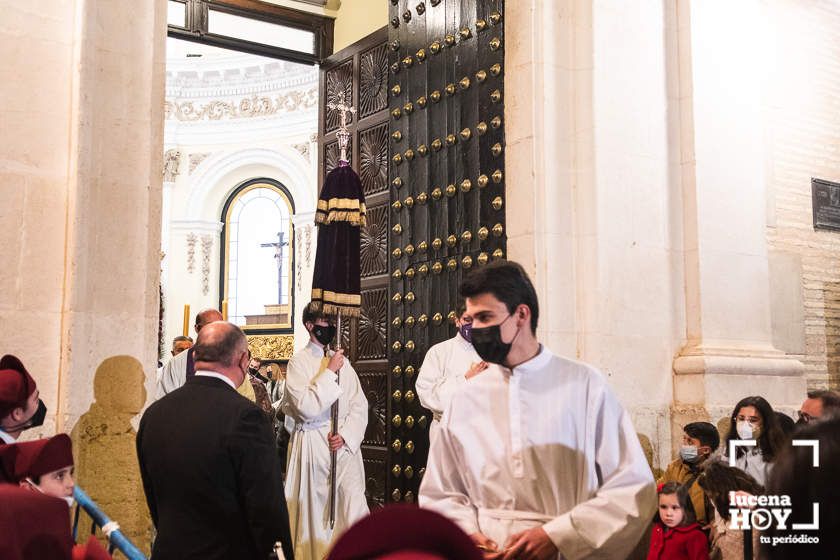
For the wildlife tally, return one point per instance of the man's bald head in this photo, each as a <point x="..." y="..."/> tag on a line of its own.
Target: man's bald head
<point x="220" y="343"/>
<point x="205" y="317"/>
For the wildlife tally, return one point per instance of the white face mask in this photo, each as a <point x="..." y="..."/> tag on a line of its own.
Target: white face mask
<point x="688" y="453"/>
<point x="69" y="499"/>
<point x="745" y="429"/>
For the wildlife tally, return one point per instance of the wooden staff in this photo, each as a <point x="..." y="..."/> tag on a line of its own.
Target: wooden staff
<point x="334" y="431"/>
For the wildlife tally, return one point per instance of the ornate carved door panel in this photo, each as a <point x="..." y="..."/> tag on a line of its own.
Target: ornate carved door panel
<point x="361" y="72"/>
<point x="428" y="143"/>
<point x="447" y="193"/>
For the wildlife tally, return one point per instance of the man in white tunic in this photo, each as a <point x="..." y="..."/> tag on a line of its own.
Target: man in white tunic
<point x="312" y="386"/>
<point x="446" y="367"/>
<point x="176" y="371"/>
<point x="536" y="459"/>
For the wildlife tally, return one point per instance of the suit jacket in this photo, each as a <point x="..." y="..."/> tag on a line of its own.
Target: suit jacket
<point x="212" y="475"/>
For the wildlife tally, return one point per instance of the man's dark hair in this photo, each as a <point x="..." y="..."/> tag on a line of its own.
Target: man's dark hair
<point x="508" y="283"/>
<point x="181" y="338"/>
<point x="705" y="432"/>
<point x="689" y="515"/>
<point x="312" y="313"/>
<point x="221" y="347"/>
<point x="830" y="400"/>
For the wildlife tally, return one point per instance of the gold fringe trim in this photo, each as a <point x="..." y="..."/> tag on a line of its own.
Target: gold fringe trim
<point x="341" y="210"/>
<point x="332" y="297"/>
<point x="330" y="309"/>
<point x="355" y="218"/>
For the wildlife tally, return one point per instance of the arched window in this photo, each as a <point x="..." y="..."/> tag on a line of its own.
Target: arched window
<point x="258" y="256"/>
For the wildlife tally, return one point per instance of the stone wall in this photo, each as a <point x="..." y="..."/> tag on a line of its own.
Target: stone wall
<point x="803" y="137"/>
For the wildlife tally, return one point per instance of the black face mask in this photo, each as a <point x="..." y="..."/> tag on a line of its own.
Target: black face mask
<point x="488" y="343"/>
<point x="324" y="335"/>
<point x="36" y="420"/>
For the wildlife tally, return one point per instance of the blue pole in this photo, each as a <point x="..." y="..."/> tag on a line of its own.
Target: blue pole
<point x="116" y="536"/>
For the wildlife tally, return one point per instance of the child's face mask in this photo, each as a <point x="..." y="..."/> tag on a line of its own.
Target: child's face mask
<point x="688" y="453"/>
<point x="69" y="499"/>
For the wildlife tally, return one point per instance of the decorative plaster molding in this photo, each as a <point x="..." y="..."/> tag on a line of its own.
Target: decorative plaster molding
<point x="237" y="75"/>
<point x="192" y="239"/>
<point x="201" y="226"/>
<point x="197" y="158"/>
<point x="206" y="246"/>
<point x="171" y="165"/>
<point x="308" y="235"/>
<point x="303" y="149"/>
<point x="290" y="169"/>
<point x="254" y="106"/>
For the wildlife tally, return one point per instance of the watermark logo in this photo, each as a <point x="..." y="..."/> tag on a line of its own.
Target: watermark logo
<point x="771" y="511"/>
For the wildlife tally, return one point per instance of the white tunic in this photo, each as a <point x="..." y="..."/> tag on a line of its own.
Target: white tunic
<point x="309" y="392"/>
<point x="441" y="374"/>
<point x="173" y="375"/>
<point x="544" y="444"/>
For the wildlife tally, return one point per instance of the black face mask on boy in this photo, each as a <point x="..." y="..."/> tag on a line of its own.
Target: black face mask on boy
<point x="488" y="343"/>
<point x="323" y="334"/>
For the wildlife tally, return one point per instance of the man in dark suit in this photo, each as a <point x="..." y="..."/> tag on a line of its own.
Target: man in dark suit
<point x="208" y="461"/>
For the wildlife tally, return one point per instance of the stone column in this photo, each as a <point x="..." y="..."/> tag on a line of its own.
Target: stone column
<point x="729" y="352"/>
<point x="82" y="113"/>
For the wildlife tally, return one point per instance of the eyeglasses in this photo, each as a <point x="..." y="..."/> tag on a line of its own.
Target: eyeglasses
<point x="804" y="416"/>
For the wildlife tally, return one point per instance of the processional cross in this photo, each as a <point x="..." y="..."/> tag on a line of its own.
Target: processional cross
<point x="278" y="254"/>
<point x="343" y="134"/>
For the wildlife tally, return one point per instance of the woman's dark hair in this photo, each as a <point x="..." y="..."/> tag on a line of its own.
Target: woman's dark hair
<point x="772" y="438"/>
<point x="507" y="282"/>
<point x="795" y="475"/>
<point x="718" y="479"/>
<point x="689" y="515"/>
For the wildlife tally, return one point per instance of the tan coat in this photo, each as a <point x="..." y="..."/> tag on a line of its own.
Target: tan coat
<point x="679" y="472"/>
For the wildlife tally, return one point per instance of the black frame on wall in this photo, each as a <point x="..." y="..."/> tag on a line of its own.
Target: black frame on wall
<point x="196" y="28"/>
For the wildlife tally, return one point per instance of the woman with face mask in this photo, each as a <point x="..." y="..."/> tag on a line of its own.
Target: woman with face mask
<point x="753" y="419"/>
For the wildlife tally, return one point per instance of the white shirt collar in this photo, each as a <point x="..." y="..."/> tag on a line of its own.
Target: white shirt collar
<point x="315" y="349"/>
<point x="206" y="373"/>
<point x="534" y="364"/>
<point x="6" y="437"/>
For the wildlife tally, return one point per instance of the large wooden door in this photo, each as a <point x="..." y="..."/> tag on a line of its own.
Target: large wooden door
<point x="447" y="192"/>
<point x="360" y="72"/>
<point x="428" y="144"/>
